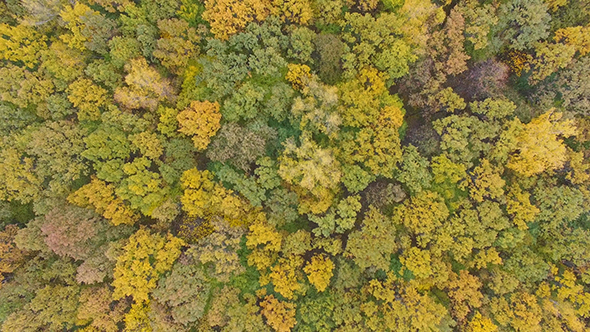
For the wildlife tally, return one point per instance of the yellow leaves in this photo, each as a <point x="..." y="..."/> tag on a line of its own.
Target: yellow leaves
<point x="578" y="37"/>
<point x="550" y="57"/>
<point x="555" y="4"/>
<point x="146" y="87"/>
<point x="228" y="17"/>
<point x="417" y="261"/>
<point x="73" y="17"/>
<point x="10" y="255"/>
<point x="569" y="290"/>
<point x="313" y="169"/>
<point x="197" y="186"/>
<point x="519" y="205"/>
<point x="521" y="312"/>
<point x="540" y="146"/>
<point x="422" y="215"/>
<point x="137" y="318"/>
<point x="145" y="258"/>
<point x="480" y="323"/>
<point x="201" y="121"/>
<point x="579" y="168"/>
<point x="21" y="43"/>
<point x="18" y="180"/>
<point x="100" y="196"/>
<point x="319" y="271"/>
<point x="88" y="98"/>
<point x="265" y="243"/>
<point x="519" y="61"/>
<point x="464" y="293"/>
<point x="392" y="116"/>
<point x="294" y="11"/>
<point x="361" y="98"/>
<point x="204" y="198"/>
<point x="284" y="276"/>
<point x="279" y="315"/>
<point x="487" y="183"/>
<point x="298" y="75"/>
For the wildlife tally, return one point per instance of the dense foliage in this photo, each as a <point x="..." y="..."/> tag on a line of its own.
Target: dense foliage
<point x="295" y="165"/>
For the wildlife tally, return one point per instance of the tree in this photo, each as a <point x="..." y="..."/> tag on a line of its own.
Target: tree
<point x="279" y="315"/>
<point x="99" y="195"/>
<point x="177" y="44"/>
<point x="314" y="171"/>
<point x="228" y="17"/>
<point x="88" y="98"/>
<point x="522" y="23"/>
<point x="10" y="255"/>
<point x="237" y="146"/>
<point x="293" y="11"/>
<point x="218" y="250"/>
<point x="285" y="276"/>
<point x="89" y="29"/>
<point x="201" y="121"/>
<point x="319" y="271"/>
<point x="549" y="58"/>
<point x="361" y="247"/>
<point x="99" y="310"/>
<point x="413" y="171"/>
<point x="539" y="144"/>
<point x="144" y="259"/>
<point x="21" y="43"/>
<point x="339" y="218"/>
<point x="72" y="231"/>
<point x="229" y="313"/>
<point x="465" y="294"/>
<point x="185" y="291"/>
<point x="145" y="87"/>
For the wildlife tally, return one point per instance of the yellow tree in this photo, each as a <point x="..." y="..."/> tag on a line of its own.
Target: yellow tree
<point x="144" y="259"/>
<point x="201" y="121"/>
<point x="285" y="274"/>
<point x="294" y="11"/>
<point x="21" y="43"/>
<point x="145" y="87"/>
<point x="228" y="17"/>
<point x="88" y="98"/>
<point x="464" y="293"/>
<point x="279" y="315"/>
<point x="319" y="271"/>
<point x="100" y="196"/>
<point x="539" y="144"/>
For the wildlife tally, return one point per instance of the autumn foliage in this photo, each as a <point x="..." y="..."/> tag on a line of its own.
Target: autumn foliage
<point x="295" y="165"/>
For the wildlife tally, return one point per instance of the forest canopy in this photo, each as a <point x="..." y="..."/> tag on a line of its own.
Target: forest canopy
<point x="295" y="165"/>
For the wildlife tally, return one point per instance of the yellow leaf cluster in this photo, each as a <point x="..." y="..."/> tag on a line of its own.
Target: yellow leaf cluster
<point x="21" y="43"/>
<point x="204" y="198"/>
<point x="201" y="121"/>
<point x="578" y="36"/>
<point x="73" y="17"/>
<point x="265" y="242"/>
<point x="284" y="276"/>
<point x="298" y="75"/>
<point x="294" y="11"/>
<point x="144" y="259"/>
<point x="279" y="315"/>
<point x="539" y="144"/>
<point x="319" y="271"/>
<point x="480" y="323"/>
<point x="101" y="197"/>
<point x="228" y="17"/>
<point x="519" y="205"/>
<point x="88" y="98"/>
